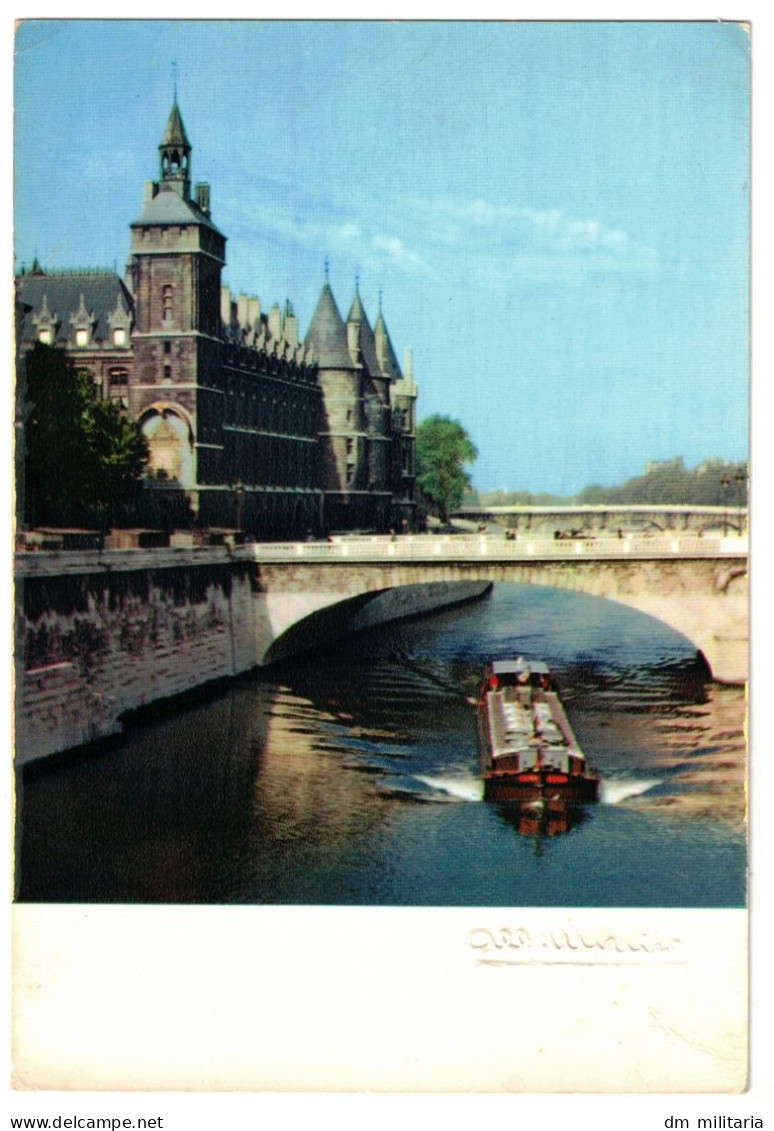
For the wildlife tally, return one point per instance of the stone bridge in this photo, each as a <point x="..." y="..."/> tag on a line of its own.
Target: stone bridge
<point x="632" y="518"/>
<point x="697" y="585"/>
<point x="100" y="634"/>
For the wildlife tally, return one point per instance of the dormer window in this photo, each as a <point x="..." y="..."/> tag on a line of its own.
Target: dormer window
<point x="82" y="322"/>
<point x="45" y="323"/>
<point x="120" y="322"/>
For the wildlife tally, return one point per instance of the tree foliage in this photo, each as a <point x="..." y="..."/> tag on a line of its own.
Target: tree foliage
<point x="715" y="482"/>
<point x="443" y="449"/>
<point x="83" y="458"/>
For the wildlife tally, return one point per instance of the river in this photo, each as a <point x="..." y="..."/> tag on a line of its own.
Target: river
<point x="349" y="776"/>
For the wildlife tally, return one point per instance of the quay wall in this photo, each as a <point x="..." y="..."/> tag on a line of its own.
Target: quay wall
<point x="98" y="636"/>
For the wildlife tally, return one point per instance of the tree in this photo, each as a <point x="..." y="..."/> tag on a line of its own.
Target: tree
<point x="443" y="448"/>
<point x="83" y="459"/>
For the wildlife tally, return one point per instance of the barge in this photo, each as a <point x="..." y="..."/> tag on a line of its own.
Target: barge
<point x="528" y="752"/>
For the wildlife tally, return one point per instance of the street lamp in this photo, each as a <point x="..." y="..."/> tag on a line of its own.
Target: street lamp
<point x="740" y="479"/>
<point x="725" y="483"/>
<point x="239" y="495"/>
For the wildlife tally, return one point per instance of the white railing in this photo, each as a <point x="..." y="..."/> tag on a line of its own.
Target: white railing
<point x="462" y="548"/>
<point x="383" y="548"/>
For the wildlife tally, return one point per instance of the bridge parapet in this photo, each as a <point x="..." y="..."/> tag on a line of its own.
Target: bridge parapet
<point x="461" y="548"/>
<point x="379" y="548"/>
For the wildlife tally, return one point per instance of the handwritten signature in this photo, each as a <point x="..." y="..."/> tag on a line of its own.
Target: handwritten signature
<point x="570" y="946"/>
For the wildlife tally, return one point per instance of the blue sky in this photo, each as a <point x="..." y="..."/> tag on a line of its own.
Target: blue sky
<point x="556" y="213"/>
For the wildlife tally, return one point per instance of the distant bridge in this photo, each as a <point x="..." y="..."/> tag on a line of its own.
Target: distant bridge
<point x="605" y="517"/>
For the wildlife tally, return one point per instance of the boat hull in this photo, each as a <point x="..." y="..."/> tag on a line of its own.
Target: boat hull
<point x="506" y="786"/>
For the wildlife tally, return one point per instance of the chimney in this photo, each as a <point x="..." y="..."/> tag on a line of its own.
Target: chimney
<point x="291" y="325"/>
<point x="253" y="310"/>
<point x="225" y="304"/>
<point x="275" y="322"/>
<point x="202" y="196"/>
<point x="243" y="305"/>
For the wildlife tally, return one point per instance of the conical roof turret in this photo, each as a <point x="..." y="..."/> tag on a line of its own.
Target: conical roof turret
<point x="356" y="312"/>
<point x="327" y="334"/>
<point x="174" y="132"/>
<point x="365" y="335"/>
<point x="388" y="362"/>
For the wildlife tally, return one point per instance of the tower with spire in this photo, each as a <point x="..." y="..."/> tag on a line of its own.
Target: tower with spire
<point x="248" y="426"/>
<point x="176" y="257"/>
<point x="367" y="479"/>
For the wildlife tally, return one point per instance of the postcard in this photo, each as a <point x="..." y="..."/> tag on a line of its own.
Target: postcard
<point x="382" y="538"/>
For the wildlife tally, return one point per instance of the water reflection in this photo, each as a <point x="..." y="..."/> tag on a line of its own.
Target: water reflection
<point x="542" y="820"/>
<point x="352" y="777"/>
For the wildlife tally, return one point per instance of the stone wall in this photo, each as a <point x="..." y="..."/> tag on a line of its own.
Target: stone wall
<point x="99" y="636"/>
<point x="93" y="646"/>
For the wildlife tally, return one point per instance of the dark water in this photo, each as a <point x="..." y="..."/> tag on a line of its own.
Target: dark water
<point x="349" y="777"/>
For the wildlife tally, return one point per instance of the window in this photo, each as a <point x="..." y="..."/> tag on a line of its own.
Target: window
<point x="44" y="336"/>
<point x="166" y="302"/>
<point x="167" y="347"/>
<point x="167" y="372"/>
<point x="81" y="337"/>
<point x="119" y="336"/>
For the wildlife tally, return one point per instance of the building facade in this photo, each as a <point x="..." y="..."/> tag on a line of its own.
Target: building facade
<point x="248" y="426"/>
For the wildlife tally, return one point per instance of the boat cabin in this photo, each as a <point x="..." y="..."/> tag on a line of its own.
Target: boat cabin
<point x="520" y="673"/>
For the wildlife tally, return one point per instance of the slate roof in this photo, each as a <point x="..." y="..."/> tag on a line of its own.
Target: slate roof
<point x="174" y="132"/>
<point x="391" y="368"/>
<point x="327" y="334"/>
<point x="366" y="339"/>
<point x="101" y="291"/>
<point x="168" y="207"/>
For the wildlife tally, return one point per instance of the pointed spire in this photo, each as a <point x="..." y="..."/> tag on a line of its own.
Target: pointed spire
<point x="388" y="362"/>
<point x="327" y="334"/>
<point x="356" y="312"/>
<point x="175" y="154"/>
<point x="174" y="132"/>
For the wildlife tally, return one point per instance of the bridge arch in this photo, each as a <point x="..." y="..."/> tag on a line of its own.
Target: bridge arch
<point x="705" y="600"/>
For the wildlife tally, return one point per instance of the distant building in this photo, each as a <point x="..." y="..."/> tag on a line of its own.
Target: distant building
<point x="248" y="426"/>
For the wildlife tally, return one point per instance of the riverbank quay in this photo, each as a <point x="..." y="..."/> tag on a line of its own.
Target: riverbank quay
<point x="103" y="633"/>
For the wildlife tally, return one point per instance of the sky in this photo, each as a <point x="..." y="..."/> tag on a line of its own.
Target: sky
<point x="555" y="214"/>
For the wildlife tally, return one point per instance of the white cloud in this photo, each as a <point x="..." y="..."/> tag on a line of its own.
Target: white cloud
<point x="520" y="242"/>
<point x="395" y="250"/>
<point x="494" y="245"/>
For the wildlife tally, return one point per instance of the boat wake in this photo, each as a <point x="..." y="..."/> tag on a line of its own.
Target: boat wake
<point x="464" y="789"/>
<point x="615" y="791"/>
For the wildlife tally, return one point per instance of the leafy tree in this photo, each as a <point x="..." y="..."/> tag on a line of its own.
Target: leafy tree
<point x="443" y="448"/>
<point x="83" y="459"/>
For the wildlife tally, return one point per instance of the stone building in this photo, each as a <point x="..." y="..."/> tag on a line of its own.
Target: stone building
<point x="248" y="426"/>
<point x="368" y="424"/>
